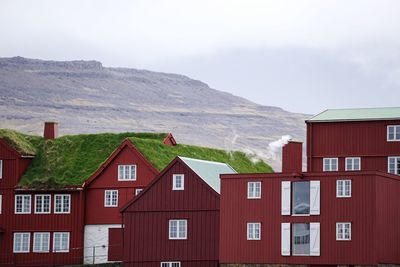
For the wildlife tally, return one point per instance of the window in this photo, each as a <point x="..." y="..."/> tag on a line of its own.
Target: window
<point x="126" y="172"/>
<point x="171" y="264"/>
<point x="111" y="198"/>
<point x="343" y="231"/>
<point x="353" y="164"/>
<point x="60" y="242"/>
<point x="21" y="242"/>
<point x="393" y="133"/>
<point x="22" y="204"/>
<point x="178" y="182"/>
<point x="1" y="204"/>
<point x="301" y="198"/>
<point x="394" y="165"/>
<point x="301" y="239"/>
<point x="1" y="168"/>
<point x="343" y="188"/>
<point x="42" y="203"/>
<point x="62" y="203"/>
<point x="330" y="164"/>
<point x="41" y="242"/>
<point x="253" y="231"/>
<point x="138" y="190"/>
<point x="177" y="229"/>
<point x="253" y="190"/>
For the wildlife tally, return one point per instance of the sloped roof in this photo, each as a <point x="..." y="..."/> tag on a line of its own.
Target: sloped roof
<point x="209" y="171"/>
<point x="357" y="114"/>
<point x="22" y="143"/>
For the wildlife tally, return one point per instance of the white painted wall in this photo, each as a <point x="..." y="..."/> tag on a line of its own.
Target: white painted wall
<point x="96" y="242"/>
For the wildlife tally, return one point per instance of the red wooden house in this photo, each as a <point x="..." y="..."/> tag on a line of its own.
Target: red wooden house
<point x="343" y="211"/>
<point x="175" y="221"/>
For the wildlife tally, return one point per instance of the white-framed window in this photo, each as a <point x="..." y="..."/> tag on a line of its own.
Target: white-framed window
<point x="177" y="229"/>
<point x="343" y="188"/>
<point x="170" y="264"/>
<point x="1" y="168"/>
<point x="330" y="164"/>
<point x="111" y="198"/>
<point x="138" y="190"/>
<point x="42" y="203"/>
<point x="41" y="242"/>
<point x="21" y="242"/>
<point x="254" y="231"/>
<point x="394" y="165"/>
<point x="393" y="133"/>
<point x="253" y="190"/>
<point x="62" y="204"/>
<point x="60" y="242"/>
<point x="126" y="172"/>
<point x="353" y="164"/>
<point x="178" y="182"/>
<point x="1" y="203"/>
<point x="22" y="204"/>
<point x="343" y="231"/>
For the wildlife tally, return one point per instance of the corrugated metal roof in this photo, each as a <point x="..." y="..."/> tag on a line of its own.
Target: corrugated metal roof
<point x="357" y="114"/>
<point x="209" y="171"/>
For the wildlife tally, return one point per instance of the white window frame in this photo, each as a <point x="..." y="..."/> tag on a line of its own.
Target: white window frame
<point x="330" y="164"/>
<point x="42" y="204"/>
<point x="251" y="190"/>
<point x="1" y="203"/>
<point x="60" y="239"/>
<point x="251" y="235"/>
<point x="342" y="183"/>
<point x="62" y="203"/>
<point x="125" y="172"/>
<point x="395" y="128"/>
<point x="396" y="167"/>
<point x="24" y="199"/>
<point x="23" y="234"/>
<point x="352" y="159"/>
<point x="342" y="226"/>
<point x="170" y="264"/>
<point x="174" y="187"/>
<point x="178" y="225"/>
<point x="138" y="191"/>
<point x="1" y="169"/>
<point x="44" y="248"/>
<point x="111" y="193"/>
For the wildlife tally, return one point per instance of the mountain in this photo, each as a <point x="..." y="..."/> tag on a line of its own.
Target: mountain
<point x="86" y="97"/>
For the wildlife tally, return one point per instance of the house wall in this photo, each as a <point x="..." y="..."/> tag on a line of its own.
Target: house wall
<point x="146" y="241"/>
<point x="237" y="210"/>
<point x="366" y="139"/>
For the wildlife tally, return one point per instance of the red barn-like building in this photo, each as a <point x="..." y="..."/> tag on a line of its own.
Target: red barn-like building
<point x="175" y="221"/>
<point x="343" y="211"/>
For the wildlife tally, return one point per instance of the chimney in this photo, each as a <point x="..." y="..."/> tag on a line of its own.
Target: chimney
<point x="50" y="130"/>
<point x="292" y="155"/>
<point x="169" y="140"/>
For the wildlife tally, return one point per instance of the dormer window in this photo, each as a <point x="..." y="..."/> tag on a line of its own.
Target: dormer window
<point x="393" y="133"/>
<point x="178" y="182"/>
<point x="126" y="172"/>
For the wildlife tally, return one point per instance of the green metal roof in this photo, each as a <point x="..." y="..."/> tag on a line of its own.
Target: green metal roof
<point x="209" y="171"/>
<point x="357" y="114"/>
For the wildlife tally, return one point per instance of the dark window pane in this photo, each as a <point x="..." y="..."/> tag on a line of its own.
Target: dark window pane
<point x="301" y="198"/>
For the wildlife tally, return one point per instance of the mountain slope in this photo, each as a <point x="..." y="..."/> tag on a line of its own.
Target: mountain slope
<point x="86" y="97"/>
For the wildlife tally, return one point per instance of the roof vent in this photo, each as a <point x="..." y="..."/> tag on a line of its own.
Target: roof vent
<point x="50" y="130"/>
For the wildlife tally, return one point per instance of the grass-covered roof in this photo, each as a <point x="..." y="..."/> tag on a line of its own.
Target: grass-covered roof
<point x="71" y="159"/>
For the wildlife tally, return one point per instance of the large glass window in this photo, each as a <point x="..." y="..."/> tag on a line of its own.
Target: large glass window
<point x="394" y="165"/>
<point x="301" y="198"/>
<point x="21" y="242"/>
<point x="60" y="242"/>
<point x="41" y="242"/>
<point x="301" y="239"/>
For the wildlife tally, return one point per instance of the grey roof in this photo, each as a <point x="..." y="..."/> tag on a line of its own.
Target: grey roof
<point x="209" y="171"/>
<point x="357" y="114"/>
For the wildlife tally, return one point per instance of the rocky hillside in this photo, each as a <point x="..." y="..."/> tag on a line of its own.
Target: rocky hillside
<point x="86" y="97"/>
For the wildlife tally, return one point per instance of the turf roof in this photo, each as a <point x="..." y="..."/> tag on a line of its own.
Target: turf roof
<point x="70" y="160"/>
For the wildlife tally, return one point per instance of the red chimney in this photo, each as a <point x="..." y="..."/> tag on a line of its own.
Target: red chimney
<point x="169" y="140"/>
<point x="50" y="130"/>
<point x="292" y="155"/>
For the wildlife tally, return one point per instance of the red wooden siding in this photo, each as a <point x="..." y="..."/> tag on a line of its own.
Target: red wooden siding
<point x="146" y="241"/>
<point x="292" y="157"/>
<point x="365" y="139"/>
<point x="365" y="210"/>
<point x="115" y="241"/>
<point x="108" y="180"/>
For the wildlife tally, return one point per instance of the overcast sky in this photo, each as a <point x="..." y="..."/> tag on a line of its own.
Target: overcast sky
<point x="303" y="56"/>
